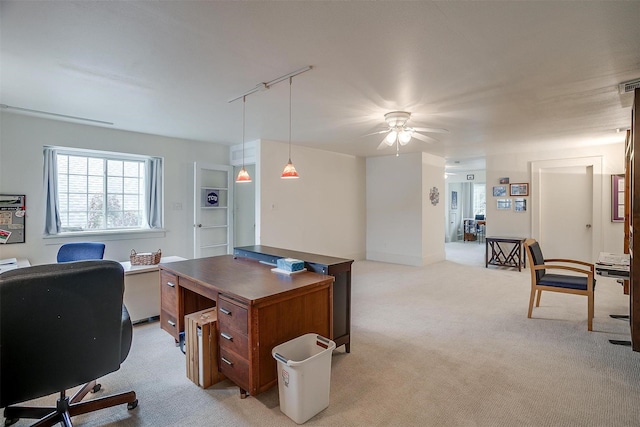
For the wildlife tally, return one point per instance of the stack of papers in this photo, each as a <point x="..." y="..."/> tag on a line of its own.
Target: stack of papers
<point x="8" y="264"/>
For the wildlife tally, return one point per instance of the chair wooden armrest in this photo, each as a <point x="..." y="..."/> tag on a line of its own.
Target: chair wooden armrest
<point x="570" y="261"/>
<point x="562" y="267"/>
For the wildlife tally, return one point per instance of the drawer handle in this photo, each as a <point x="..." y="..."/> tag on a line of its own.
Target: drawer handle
<point x="226" y="336"/>
<point x="228" y="362"/>
<point x="172" y="323"/>
<point x="171" y="285"/>
<point x="225" y="311"/>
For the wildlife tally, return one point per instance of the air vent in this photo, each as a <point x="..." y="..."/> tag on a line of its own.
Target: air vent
<point x="628" y="87"/>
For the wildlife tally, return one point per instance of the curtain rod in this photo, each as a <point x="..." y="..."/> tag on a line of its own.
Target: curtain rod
<point x="267" y="85"/>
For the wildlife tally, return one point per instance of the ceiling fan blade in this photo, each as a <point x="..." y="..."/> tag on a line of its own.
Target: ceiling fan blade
<point x="432" y="130"/>
<point x="384" y="144"/>
<point x="377" y="133"/>
<point x="424" y="138"/>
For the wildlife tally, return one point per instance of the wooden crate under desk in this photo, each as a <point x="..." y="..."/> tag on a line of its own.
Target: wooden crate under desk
<point x="207" y="356"/>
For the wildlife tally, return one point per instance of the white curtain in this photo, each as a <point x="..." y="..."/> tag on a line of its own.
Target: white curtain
<point x="52" y="223"/>
<point x="153" y="193"/>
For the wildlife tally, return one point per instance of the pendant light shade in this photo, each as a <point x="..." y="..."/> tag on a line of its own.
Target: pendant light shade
<point x="289" y="171"/>
<point x="243" y="175"/>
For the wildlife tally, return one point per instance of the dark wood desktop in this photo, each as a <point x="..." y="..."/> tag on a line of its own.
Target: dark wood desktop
<point x="257" y="310"/>
<point x="339" y="268"/>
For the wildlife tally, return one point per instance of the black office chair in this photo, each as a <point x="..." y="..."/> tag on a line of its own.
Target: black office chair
<point x="63" y="325"/>
<point x="82" y="251"/>
<point x="79" y="251"/>
<point x="542" y="280"/>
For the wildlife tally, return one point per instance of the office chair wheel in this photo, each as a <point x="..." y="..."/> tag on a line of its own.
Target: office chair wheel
<point x="10" y="421"/>
<point x="96" y="388"/>
<point x="132" y="405"/>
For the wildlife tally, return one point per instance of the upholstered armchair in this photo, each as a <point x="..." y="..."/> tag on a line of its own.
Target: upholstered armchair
<point x="546" y="275"/>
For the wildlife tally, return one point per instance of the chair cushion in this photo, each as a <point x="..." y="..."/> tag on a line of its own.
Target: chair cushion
<point x="564" y="281"/>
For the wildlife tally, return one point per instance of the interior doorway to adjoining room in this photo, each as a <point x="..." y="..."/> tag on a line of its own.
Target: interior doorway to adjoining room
<point x="466" y="205"/>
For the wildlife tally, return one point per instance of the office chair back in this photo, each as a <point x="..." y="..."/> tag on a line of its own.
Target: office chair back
<point x="57" y="332"/>
<point x="80" y="251"/>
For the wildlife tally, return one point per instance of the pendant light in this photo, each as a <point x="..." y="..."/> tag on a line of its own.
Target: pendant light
<point x="243" y="175"/>
<point x="289" y="171"/>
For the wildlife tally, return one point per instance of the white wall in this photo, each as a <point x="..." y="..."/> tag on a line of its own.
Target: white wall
<point x="402" y="225"/>
<point x="21" y="141"/>
<point x="321" y="212"/>
<point x="433" y="216"/>
<point x="517" y="167"/>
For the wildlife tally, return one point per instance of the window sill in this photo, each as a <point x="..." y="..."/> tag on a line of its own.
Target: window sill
<point x="105" y="235"/>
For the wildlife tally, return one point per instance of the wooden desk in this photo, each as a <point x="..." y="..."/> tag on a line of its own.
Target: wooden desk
<point x="495" y="253"/>
<point x="257" y="310"/>
<point x="339" y="268"/>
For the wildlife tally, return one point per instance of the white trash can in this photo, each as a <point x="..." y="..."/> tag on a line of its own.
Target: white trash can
<point x="304" y="374"/>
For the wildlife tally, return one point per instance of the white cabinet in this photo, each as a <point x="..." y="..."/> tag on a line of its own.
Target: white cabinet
<point x="142" y="289"/>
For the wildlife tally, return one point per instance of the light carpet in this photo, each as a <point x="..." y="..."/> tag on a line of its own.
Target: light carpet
<point x="447" y="344"/>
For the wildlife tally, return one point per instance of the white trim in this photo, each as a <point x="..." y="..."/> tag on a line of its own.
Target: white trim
<point x="106" y="235"/>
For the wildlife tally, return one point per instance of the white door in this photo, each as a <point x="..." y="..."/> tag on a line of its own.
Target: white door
<point x="244" y="212"/>
<point x="566" y="212"/>
<point x="213" y="197"/>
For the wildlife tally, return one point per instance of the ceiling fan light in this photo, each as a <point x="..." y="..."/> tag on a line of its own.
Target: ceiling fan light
<point x="391" y="137"/>
<point x="404" y="136"/>
<point x="243" y="176"/>
<point x="289" y="171"/>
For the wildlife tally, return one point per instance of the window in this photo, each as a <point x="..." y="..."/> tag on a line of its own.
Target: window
<point x="98" y="191"/>
<point x="479" y="199"/>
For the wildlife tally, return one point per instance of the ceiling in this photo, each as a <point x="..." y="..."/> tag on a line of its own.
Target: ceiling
<point x="500" y="76"/>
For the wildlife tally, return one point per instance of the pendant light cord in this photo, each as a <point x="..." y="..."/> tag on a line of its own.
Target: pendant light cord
<point x="244" y="102"/>
<point x="290" y="83"/>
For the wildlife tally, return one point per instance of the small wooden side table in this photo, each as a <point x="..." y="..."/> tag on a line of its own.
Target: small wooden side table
<point x="495" y="253"/>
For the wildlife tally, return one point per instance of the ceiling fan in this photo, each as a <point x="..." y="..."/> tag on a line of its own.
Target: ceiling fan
<point x="399" y="133"/>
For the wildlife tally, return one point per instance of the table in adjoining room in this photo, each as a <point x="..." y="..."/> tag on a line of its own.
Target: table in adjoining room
<point x="498" y="253"/>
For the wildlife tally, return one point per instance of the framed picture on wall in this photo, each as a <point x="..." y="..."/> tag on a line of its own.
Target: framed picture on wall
<point x="454" y="200"/>
<point x="503" y="204"/>
<point x="519" y="189"/>
<point x="504" y="180"/>
<point x="617" y="198"/>
<point x="499" y="191"/>
<point x="520" y="205"/>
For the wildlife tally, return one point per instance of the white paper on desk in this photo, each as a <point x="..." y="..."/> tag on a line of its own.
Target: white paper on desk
<point x="613" y="259"/>
<point x="8" y="261"/>
<point x="8" y="267"/>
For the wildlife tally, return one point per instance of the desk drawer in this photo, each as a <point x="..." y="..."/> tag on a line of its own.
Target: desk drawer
<point x="232" y="316"/>
<point x="169" y="323"/>
<point x="235" y="368"/>
<point x="232" y="339"/>
<point x="168" y="292"/>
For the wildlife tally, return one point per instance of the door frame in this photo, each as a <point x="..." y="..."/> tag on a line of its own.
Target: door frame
<point x="596" y="162"/>
<point x="197" y="184"/>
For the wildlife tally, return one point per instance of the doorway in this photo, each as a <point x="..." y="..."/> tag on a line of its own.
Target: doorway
<point x="244" y="209"/>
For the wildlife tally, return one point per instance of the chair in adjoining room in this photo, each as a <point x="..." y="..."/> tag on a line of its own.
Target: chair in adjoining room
<point x="80" y="251"/>
<point x="541" y="280"/>
<point x="63" y="325"/>
<point x="481" y="226"/>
